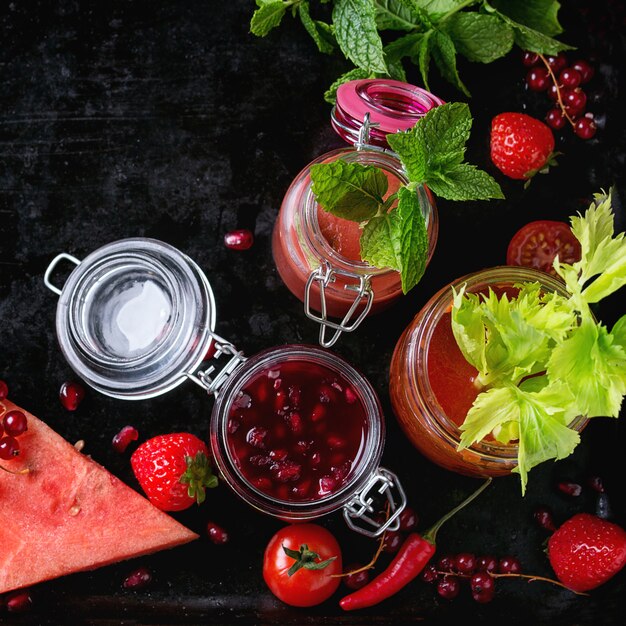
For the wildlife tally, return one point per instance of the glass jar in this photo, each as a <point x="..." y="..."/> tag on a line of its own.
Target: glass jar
<point x="136" y="318"/>
<point x="415" y="371"/>
<point x="316" y="254"/>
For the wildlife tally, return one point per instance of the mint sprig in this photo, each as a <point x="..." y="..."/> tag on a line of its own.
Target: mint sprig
<point x="543" y="357"/>
<point x="395" y="233"/>
<point x="379" y="37"/>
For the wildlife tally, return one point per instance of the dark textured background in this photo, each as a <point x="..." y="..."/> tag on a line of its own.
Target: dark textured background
<point x="170" y="120"/>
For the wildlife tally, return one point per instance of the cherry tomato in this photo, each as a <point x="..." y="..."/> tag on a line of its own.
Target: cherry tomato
<point x="537" y="243"/>
<point x="305" y="587"/>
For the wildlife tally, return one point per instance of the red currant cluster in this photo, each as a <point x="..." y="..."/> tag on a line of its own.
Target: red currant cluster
<point x="450" y="570"/>
<point x="562" y="81"/>
<point x="14" y="424"/>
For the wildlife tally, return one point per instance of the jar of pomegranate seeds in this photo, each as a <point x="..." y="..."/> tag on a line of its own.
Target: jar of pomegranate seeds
<point x="295" y="430"/>
<point x="317" y="254"/>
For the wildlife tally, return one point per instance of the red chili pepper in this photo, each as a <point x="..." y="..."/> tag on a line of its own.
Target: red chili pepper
<point x="410" y="560"/>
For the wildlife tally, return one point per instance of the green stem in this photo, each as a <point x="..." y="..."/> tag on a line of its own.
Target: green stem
<point x="431" y="534"/>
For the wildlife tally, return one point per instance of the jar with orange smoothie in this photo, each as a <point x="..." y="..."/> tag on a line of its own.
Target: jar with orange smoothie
<point x="433" y="386"/>
<point x="317" y="254"/>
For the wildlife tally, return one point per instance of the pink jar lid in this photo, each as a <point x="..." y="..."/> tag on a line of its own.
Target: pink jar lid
<point x="392" y="105"/>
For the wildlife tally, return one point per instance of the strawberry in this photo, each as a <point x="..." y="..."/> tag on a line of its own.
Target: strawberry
<point x="586" y="551"/>
<point x="173" y="470"/>
<point x="521" y="145"/>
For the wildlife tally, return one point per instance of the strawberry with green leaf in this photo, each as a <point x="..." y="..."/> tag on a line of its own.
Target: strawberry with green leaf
<point x="173" y="470"/>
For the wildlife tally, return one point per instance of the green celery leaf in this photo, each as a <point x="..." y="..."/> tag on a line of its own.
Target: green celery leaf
<point x="380" y="241"/>
<point x="400" y="15"/>
<point x="266" y="17"/>
<point x="357" y="35"/>
<point x="349" y="190"/>
<point x="468" y="327"/>
<point x="413" y="238"/>
<point x="463" y="181"/>
<point x="540" y="15"/>
<point x="330" y="95"/>
<point x="619" y="332"/>
<point x="479" y="37"/>
<point x="593" y="366"/>
<point x="444" y="54"/>
<point x="320" y="32"/>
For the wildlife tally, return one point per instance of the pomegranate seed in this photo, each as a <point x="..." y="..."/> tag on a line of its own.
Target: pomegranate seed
<point x="544" y="518"/>
<point x="259" y="460"/>
<point x="570" y="489"/>
<point x="302" y="490"/>
<point x="408" y="519"/>
<point x="295" y="422"/>
<point x="71" y="395"/>
<point x="138" y="579"/>
<point x="262" y="483"/>
<point x="350" y="396"/>
<point x="295" y="394"/>
<point x="326" y="394"/>
<point x="9" y="448"/>
<point x="288" y="471"/>
<point x="19" y="602"/>
<point x="256" y="437"/>
<point x="316" y="459"/>
<point x="15" y="423"/>
<point x="216" y="533"/>
<point x="4" y="390"/>
<point x="448" y="587"/>
<point x="357" y="579"/>
<point x="233" y="426"/>
<point x="122" y="440"/>
<point x="241" y="239"/>
<point x="509" y="565"/>
<point x="336" y="443"/>
<point x="278" y="455"/>
<point x="277" y="384"/>
<point x="595" y="482"/>
<point x="280" y="401"/>
<point x="327" y="485"/>
<point x="318" y="412"/>
<point x="340" y="472"/>
<point x="302" y="446"/>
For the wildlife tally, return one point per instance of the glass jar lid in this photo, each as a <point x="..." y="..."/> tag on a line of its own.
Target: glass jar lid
<point x="392" y="106"/>
<point x="135" y="317"/>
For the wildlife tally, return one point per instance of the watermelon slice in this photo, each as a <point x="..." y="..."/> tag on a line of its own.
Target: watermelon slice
<point x="70" y="514"/>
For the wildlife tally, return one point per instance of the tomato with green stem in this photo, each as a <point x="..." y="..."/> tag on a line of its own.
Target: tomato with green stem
<point x="537" y="243"/>
<point x="301" y="564"/>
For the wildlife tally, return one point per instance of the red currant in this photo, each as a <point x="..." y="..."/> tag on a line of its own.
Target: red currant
<point x="408" y="519"/>
<point x="429" y="574"/>
<point x="15" y="423"/>
<point x="538" y="79"/>
<point x="445" y="563"/>
<point x="9" y="448"/>
<point x="530" y="58"/>
<point x="509" y="565"/>
<point x="557" y="63"/>
<point x="358" y="579"/>
<point x="585" y="128"/>
<point x="239" y="239"/>
<point x="555" y="119"/>
<point x="448" y="587"/>
<point x="393" y="541"/>
<point x="486" y="563"/>
<point x="585" y="70"/>
<point x="570" y="77"/>
<point x="19" y="602"/>
<point x="553" y="92"/>
<point x="465" y="563"/>
<point x="574" y="101"/>
<point x="71" y="395"/>
<point x="483" y="587"/>
<point x="4" y="390"/>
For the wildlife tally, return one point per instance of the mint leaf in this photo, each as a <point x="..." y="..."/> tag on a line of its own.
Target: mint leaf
<point x="437" y="9"/>
<point x="540" y="15"/>
<point x="413" y="238"/>
<point x="444" y="55"/>
<point x="266" y="17"/>
<point x="478" y="37"/>
<point x="380" y="241"/>
<point x="320" y="32"/>
<point x="464" y="182"/>
<point x="349" y="190"/>
<point x="414" y="46"/>
<point x="529" y="39"/>
<point x="399" y="15"/>
<point x="357" y="35"/>
<point x="330" y="95"/>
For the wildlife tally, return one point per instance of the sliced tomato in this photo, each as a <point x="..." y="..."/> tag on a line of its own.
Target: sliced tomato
<point x="537" y="243"/>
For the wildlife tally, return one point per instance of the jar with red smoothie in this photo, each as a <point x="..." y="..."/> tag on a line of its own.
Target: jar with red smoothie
<point x="317" y="254"/>
<point x="432" y="386"/>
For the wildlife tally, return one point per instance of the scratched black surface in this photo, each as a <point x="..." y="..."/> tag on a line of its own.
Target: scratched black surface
<point x="170" y="120"/>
